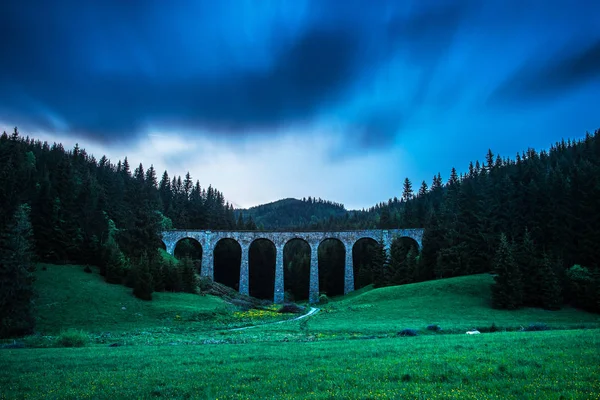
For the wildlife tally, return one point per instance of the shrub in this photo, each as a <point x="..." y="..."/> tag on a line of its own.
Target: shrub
<point x="205" y="284"/>
<point x="435" y="328"/>
<point x="72" y="338"/>
<point x="408" y="332"/>
<point x="536" y="327"/>
<point x="87" y="269"/>
<point x="291" y="308"/>
<point x="488" y="329"/>
<point x="323" y="299"/>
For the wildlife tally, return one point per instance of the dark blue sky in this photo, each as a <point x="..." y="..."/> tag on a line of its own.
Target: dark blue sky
<point x="270" y="99"/>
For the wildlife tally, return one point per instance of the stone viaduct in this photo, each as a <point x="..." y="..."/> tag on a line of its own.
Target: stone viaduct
<point x="209" y="239"/>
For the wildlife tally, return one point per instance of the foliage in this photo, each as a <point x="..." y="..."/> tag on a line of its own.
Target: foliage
<point x="16" y="276"/>
<point x="72" y="338"/>
<point x="507" y="291"/>
<point x="143" y="286"/>
<point x="584" y="287"/>
<point x="291" y="213"/>
<point x="91" y="211"/>
<point x="188" y="276"/>
<point x="408" y="332"/>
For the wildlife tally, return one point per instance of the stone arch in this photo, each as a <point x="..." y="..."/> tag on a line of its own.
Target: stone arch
<point x="189" y="247"/>
<point x="227" y="258"/>
<point x="296" y="266"/>
<point x="408" y="239"/>
<point x="365" y="256"/>
<point x="262" y="258"/>
<point x="332" y="265"/>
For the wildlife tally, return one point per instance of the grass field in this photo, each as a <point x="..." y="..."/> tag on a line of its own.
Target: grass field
<point x="181" y="346"/>
<point x="516" y="365"/>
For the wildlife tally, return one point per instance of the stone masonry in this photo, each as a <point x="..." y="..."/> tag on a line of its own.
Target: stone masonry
<point x="209" y="239"/>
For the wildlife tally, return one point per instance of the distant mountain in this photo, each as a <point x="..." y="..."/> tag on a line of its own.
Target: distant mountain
<point x="294" y="213"/>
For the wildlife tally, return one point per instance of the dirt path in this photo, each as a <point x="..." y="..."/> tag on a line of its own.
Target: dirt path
<point x="310" y="312"/>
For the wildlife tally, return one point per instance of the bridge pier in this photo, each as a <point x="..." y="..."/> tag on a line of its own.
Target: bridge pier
<point x="244" y="270"/>
<point x="207" y="269"/>
<point x="313" y="291"/>
<point x="349" y="270"/>
<point x="279" y="294"/>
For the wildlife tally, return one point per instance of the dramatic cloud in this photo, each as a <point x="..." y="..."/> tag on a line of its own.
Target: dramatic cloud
<point x="430" y="84"/>
<point x="553" y="77"/>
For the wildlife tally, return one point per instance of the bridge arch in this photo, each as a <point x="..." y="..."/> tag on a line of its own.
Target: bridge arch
<point x="189" y="247"/>
<point x="296" y="267"/>
<point x="261" y="268"/>
<point x="332" y="266"/>
<point x="367" y="260"/>
<point x="227" y="259"/>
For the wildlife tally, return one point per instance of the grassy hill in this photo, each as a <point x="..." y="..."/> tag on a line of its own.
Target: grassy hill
<point x="455" y="304"/>
<point x="70" y="298"/>
<point x="323" y="357"/>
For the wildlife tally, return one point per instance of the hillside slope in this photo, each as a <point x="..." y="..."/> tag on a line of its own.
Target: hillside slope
<point x="456" y="304"/>
<point x="67" y="297"/>
<point x="292" y="213"/>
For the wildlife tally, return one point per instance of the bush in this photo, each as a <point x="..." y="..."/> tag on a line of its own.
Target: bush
<point x="323" y="299"/>
<point x="291" y="308"/>
<point x="489" y="329"/>
<point x="408" y="332"/>
<point x="434" y="328"/>
<point x="205" y="284"/>
<point x="72" y="338"/>
<point x="536" y="327"/>
<point x="87" y="269"/>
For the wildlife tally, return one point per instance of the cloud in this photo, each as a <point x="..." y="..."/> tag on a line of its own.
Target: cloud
<point x="547" y="78"/>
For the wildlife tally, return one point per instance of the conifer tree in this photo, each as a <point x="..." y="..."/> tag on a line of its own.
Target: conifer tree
<point x="529" y="265"/>
<point x="16" y="276"/>
<point x="507" y="290"/>
<point x="380" y="266"/>
<point x="143" y="285"/>
<point x="188" y="275"/>
<point x="407" y="191"/>
<point x="550" y="295"/>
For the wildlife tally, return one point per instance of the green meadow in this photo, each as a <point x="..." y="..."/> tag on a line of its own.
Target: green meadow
<point x="183" y="346"/>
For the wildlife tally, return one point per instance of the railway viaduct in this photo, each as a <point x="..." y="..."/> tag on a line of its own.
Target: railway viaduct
<point x="209" y="239"/>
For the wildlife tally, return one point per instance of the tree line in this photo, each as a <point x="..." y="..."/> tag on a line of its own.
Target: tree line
<point x="533" y="221"/>
<point x="66" y="206"/>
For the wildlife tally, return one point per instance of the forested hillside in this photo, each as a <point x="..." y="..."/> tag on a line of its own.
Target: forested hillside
<point x="536" y="217"/>
<point x="534" y="221"/>
<point x="65" y="206"/>
<point x="293" y="213"/>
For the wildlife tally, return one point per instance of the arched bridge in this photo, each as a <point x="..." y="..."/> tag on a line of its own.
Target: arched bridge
<point x="209" y="239"/>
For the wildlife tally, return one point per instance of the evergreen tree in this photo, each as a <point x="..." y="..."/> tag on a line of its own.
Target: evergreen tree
<point x="507" y="290"/>
<point x="143" y="285"/>
<point x="188" y="275"/>
<point x="380" y="266"/>
<point x="407" y="191"/>
<point x="529" y="265"/>
<point x="550" y="296"/>
<point x="16" y="276"/>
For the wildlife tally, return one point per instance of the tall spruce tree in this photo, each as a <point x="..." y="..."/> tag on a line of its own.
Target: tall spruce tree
<point x="550" y="296"/>
<point x="507" y="290"/>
